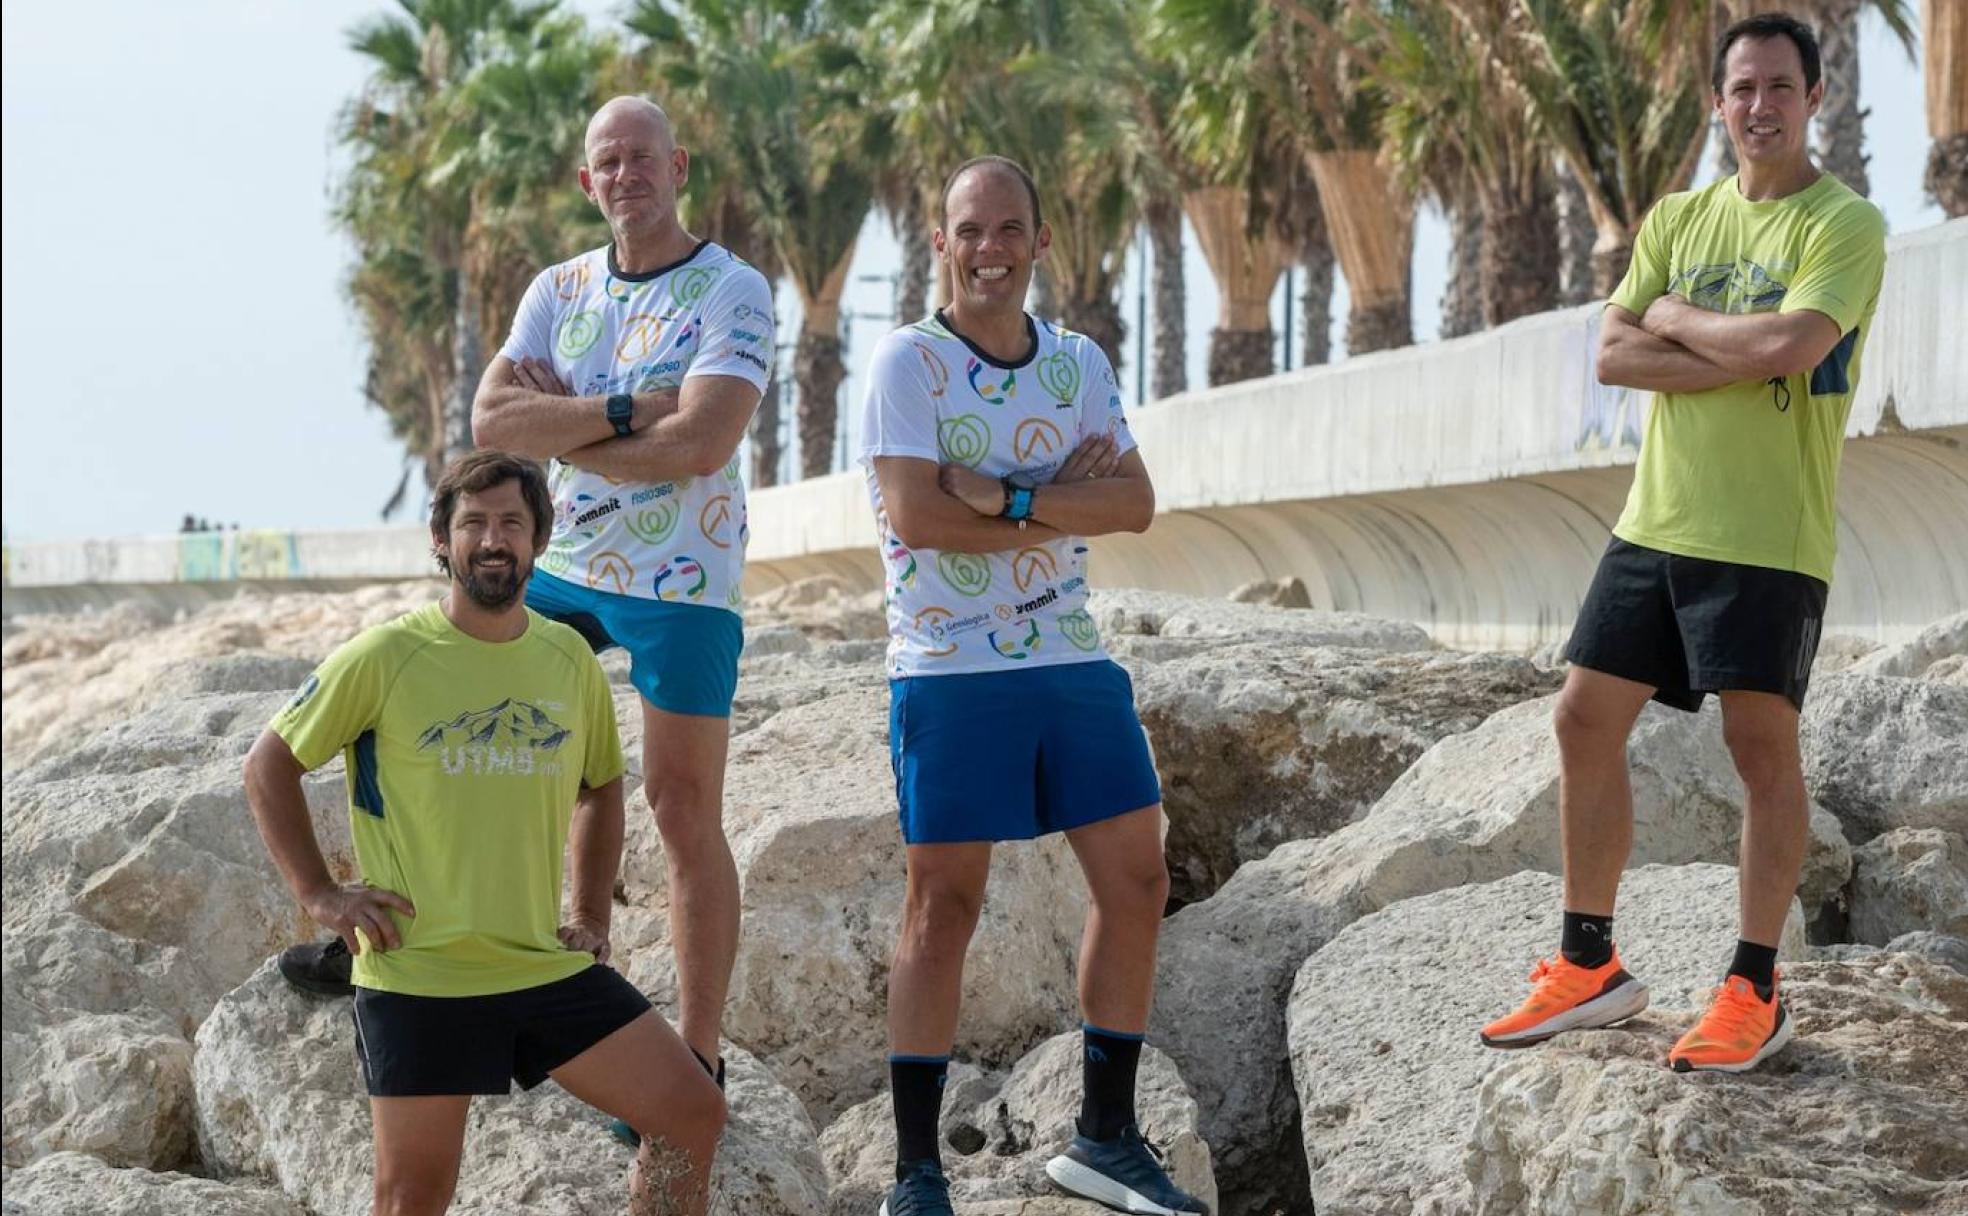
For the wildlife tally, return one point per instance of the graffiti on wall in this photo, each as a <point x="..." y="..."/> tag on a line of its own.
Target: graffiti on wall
<point x="208" y="557"/>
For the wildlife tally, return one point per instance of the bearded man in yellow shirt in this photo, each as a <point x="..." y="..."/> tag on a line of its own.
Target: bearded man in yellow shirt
<point x="1745" y="310"/>
<point x="470" y="728"/>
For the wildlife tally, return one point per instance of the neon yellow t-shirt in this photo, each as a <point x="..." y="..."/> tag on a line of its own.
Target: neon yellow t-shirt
<point x="464" y="761"/>
<point x="1748" y="472"/>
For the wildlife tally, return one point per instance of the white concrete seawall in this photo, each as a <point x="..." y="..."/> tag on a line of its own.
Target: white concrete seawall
<point x="1466" y="485"/>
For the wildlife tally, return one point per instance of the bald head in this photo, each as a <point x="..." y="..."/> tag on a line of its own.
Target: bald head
<point x="630" y="116"/>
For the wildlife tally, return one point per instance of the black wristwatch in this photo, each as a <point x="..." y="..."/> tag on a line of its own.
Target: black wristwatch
<point x="1018" y="489"/>
<point x="621" y="408"/>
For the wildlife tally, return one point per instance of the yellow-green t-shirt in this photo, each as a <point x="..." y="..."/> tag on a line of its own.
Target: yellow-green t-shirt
<point x="1748" y="472"/>
<point x="464" y="761"/>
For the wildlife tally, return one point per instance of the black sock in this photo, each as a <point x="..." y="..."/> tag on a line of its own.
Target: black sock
<point x="1757" y="964"/>
<point x="1587" y="940"/>
<point x="917" y="1084"/>
<point x="1108" y="1059"/>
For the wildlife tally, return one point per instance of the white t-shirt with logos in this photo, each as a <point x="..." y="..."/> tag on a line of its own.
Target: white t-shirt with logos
<point x="935" y="396"/>
<point x="606" y="332"/>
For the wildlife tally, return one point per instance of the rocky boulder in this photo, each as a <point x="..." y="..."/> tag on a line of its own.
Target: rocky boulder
<point x="1000" y="1129"/>
<point x="1126" y="612"/>
<point x="1862" y="1113"/>
<point x="75" y="1184"/>
<point x="280" y="1096"/>
<point x="1938" y="652"/>
<point x="1288" y="592"/>
<point x="1388" y="1073"/>
<point x="1884" y="752"/>
<point x="1476" y="807"/>
<point x="1909" y="879"/>
<point x="1261" y="743"/>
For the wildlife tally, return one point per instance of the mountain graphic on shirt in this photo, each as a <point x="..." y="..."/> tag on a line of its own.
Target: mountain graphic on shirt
<point x="509" y="724"/>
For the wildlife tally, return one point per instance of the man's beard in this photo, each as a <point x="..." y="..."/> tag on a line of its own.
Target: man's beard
<point x="494" y="590"/>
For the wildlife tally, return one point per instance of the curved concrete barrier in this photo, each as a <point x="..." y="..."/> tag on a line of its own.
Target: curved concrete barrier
<point x="1467" y="485"/>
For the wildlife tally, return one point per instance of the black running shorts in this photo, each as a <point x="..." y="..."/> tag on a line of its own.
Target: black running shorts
<point x="1689" y="626"/>
<point x="421" y="1046"/>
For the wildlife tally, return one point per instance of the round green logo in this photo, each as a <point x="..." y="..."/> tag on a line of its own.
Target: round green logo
<point x="1059" y="374"/>
<point x="688" y="286"/>
<point x="1078" y="628"/>
<point x="556" y="560"/>
<point x="731" y="469"/>
<point x="965" y="439"/>
<point x="579" y="333"/>
<point x="652" y="525"/>
<point x="969" y="573"/>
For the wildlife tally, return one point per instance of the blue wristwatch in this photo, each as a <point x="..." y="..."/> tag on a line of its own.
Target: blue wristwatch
<point x="621" y="408"/>
<point x="1018" y="490"/>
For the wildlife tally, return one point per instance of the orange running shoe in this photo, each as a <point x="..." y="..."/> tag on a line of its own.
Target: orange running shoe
<point x="1739" y="1031"/>
<point x="1565" y="996"/>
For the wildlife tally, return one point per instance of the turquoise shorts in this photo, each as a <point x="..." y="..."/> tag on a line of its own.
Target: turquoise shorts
<point x="683" y="658"/>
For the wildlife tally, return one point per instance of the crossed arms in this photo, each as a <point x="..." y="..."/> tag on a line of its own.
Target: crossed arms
<point x="1680" y="348"/>
<point x="1098" y="490"/>
<point x="677" y="432"/>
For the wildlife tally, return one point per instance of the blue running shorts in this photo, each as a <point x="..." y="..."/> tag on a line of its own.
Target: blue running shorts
<point x="682" y="657"/>
<point x="1012" y="755"/>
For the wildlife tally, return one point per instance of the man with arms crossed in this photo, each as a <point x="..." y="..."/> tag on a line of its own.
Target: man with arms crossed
<point x="468" y="728"/>
<point x="993" y="444"/>
<point x="1745" y="310"/>
<point x="636" y="368"/>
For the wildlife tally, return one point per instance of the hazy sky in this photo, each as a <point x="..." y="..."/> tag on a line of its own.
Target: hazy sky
<point x="176" y="335"/>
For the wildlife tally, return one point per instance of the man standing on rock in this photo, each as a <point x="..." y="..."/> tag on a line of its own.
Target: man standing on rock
<point x="1745" y="311"/>
<point x="636" y="368"/>
<point x="993" y="444"/>
<point x="468" y="728"/>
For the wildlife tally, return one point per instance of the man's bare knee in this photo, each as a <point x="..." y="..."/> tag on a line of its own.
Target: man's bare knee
<point x="687" y="815"/>
<point x="695" y="1110"/>
<point x="1141" y="890"/>
<point x="937" y="916"/>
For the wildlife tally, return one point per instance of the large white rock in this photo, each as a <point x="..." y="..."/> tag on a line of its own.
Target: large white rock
<point x="1258" y="743"/>
<point x="810" y="811"/>
<point x="1124" y="611"/>
<point x="75" y="1184"/>
<point x="998" y="1131"/>
<point x="1476" y="807"/>
<point x="1938" y="652"/>
<point x="1907" y="880"/>
<point x="1383" y="1019"/>
<point x="280" y="1096"/>
<point x="115" y="1085"/>
<point x="1884" y="752"/>
<point x="1863" y="1114"/>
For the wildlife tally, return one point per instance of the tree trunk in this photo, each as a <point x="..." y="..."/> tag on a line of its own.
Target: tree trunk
<point x="1610" y="255"/>
<point x="1098" y="318"/>
<point x="1725" y="152"/>
<point x="1519" y="277"/>
<point x="818" y="371"/>
<point x="1171" y="374"/>
<point x="766" y="447"/>
<point x="1944" y="35"/>
<point x="1240" y="354"/>
<point x="1462" y="294"/>
<point x="1046" y="301"/>
<point x="1841" y="120"/>
<point x="1372" y="226"/>
<point x="918" y="261"/>
<point x="1315" y="255"/>
<point x="467" y="366"/>
<point x="1575" y="237"/>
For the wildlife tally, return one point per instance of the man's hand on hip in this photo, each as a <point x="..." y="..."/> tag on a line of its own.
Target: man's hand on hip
<point x="347" y="909"/>
<point x="582" y="933"/>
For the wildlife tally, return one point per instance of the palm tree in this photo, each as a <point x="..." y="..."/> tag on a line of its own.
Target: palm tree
<point x="1841" y="120"/>
<point x="1944" y="24"/>
<point x="792" y="89"/>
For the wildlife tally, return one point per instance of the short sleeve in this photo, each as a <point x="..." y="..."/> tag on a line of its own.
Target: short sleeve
<point x="1101" y="411"/>
<point x="337" y="703"/>
<point x="532" y="329"/>
<point x="737" y="335"/>
<point x="603" y="763"/>
<point x="1841" y="268"/>
<point x="1646" y="274"/>
<point x="898" y="417"/>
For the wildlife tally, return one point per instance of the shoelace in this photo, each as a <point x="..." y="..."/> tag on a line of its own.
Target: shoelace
<point x="1731" y="1008"/>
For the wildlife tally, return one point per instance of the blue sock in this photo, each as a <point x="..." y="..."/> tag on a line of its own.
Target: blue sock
<point x="1108" y="1060"/>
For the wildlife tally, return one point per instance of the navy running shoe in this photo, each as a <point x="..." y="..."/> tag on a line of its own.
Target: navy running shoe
<point x="920" y="1190"/>
<point x="1124" y="1173"/>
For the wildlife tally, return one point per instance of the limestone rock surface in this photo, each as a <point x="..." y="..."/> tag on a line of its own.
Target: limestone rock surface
<point x="1289" y="592"/>
<point x="1388" y="1073"/>
<point x="1476" y="807"/>
<point x="999" y="1130"/>
<point x="280" y="1096"/>
<point x="1258" y="743"/>
<point x="115" y="1085"/>
<point x="1863" y="1113"/>
<point x="1165" y="614"/>
<point x="1884" y="752"/>
<point x="1907" y="880"/>
<point x="1938" y="652"/>
<point x="76" y="1184"/>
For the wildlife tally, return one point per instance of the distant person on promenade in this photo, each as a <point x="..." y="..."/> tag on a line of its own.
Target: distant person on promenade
<point x="636" y="368"/>
<point x="469" y="728"/>
<point x="993" y="443"/>
<point x="1745" y="310"/>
